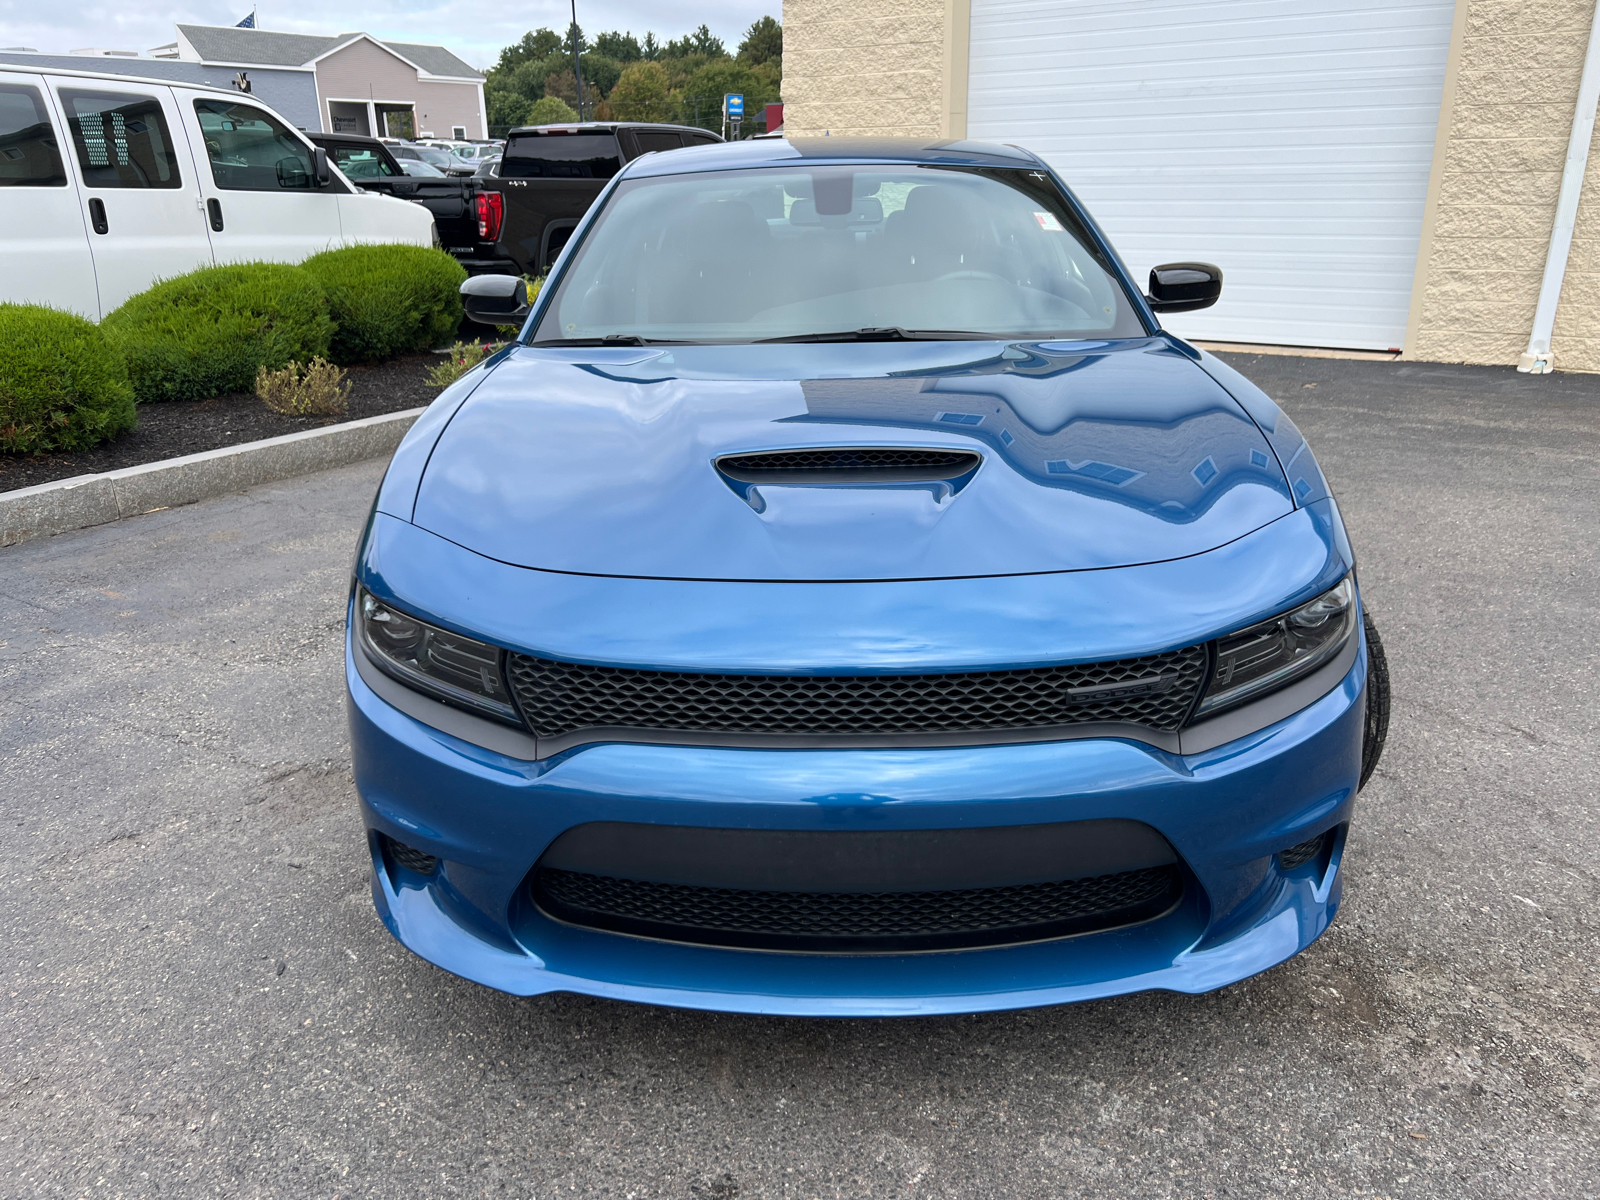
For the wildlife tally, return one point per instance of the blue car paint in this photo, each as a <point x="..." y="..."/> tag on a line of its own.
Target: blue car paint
<point x="430" y="549"/>
<point x="489" y="817"/>
<point x="1118" y="455"/>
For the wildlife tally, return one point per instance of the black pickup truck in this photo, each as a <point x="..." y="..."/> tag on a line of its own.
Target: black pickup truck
<point x="466" y="215"/>
<point x="550" y="174"/>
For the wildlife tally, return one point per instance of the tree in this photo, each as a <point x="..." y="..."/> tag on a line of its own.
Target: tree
<point x="505" y="108"/>
<point x="763" y="42"/>
<point x="535" y="44"/>
<point x="701" y="41"/>
<point x="715" y="80"/>
<point x="574" y="38"/>
<point x="552" y="110"/>
<point x="600" y="72"/>
<point x="651" y="50"/>
<point x="641" y="93"/>
<point x="621" y="47"/>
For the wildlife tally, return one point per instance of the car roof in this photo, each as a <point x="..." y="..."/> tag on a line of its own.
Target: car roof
<point x="790" y="151"/>
<point x="605" y="127"/>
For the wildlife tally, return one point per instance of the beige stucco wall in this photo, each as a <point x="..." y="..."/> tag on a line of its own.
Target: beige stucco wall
<point x="364" y="71"/>
<point x="1515" y="87"/>
<point x="863" y="67"/>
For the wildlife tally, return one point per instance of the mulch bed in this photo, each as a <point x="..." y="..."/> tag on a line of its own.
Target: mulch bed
<point x="174" y="429"/>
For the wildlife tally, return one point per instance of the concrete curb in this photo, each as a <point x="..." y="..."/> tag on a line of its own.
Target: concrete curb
<point x="86" y="500"/>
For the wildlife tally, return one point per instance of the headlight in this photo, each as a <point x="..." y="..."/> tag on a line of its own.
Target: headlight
<point x="456" y="669"/>
<point x="1275" y="653"/>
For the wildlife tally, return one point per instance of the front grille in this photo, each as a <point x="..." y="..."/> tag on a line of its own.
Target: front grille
<point x="410" y="857"/>
<point x="846" y="458"/>
<point x="558" y="698"/>
<point x="1300" y="855"/>
<point x="857" y="922"/>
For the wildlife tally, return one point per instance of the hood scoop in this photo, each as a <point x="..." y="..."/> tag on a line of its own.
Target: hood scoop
<point x="835" y="465"/>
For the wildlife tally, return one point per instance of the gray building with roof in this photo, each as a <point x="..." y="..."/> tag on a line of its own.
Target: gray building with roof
<point x="289" y="91"/>
<point x="350" y="83"/>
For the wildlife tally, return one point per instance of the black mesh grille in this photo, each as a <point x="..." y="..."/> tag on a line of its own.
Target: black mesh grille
<point x="410" y="857"/>
<point x="858" y="921"/>
<point x="833" y="458"/>
<point x="1299" y="856"/>
<point x="559" y="698"/>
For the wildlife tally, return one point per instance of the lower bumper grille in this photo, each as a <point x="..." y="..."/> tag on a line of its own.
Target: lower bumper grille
<point x="857" y="922"/>
<point x="1300" y="855"/>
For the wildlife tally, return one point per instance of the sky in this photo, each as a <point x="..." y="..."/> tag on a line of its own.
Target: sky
<point x="475" y="31"/>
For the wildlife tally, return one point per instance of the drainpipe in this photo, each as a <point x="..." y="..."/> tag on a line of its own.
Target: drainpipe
<point x="1538" y="359"/>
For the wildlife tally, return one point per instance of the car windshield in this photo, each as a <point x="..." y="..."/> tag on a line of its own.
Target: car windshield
<point x="421" y="170"/>
<point x="838" y="252"/>
<point x="431" y="154"/>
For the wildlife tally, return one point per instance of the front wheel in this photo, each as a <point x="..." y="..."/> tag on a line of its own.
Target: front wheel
<point x="1375" y="730"/>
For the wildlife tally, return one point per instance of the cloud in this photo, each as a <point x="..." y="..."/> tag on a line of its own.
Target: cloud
<point x="471" y="30"/>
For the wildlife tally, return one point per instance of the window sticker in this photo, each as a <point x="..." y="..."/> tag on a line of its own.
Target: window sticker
<point x="1048" y="222"/>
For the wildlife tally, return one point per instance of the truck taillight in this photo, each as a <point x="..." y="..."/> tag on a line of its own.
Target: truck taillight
<point x="491" y="211"/>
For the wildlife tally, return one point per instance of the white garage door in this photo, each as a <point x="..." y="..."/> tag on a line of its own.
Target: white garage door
<point x="1287" y="141"/>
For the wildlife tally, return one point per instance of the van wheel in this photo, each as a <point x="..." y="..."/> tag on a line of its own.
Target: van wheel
<point x="1375" y="731"/>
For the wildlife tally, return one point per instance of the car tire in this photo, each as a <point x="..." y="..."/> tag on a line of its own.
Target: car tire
<point x="1375" y="731"/>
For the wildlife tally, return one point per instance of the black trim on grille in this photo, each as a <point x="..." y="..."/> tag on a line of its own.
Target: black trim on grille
<point x="849" y="464"/>
<point x="1299" y="855"/>
<point x="858" y="922"/>
<point x="577" y="702"/>
<point x="409" y="857"/>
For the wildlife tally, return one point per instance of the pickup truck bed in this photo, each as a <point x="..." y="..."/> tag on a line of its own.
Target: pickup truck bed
<point x="368" y="164"/>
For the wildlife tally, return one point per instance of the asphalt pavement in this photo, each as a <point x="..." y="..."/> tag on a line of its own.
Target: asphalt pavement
<point x="200" y="1000"/>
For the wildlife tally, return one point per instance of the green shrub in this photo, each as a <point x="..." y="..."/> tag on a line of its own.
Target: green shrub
<point x="389" y="300"/>
<point x="63" y="386"/>
<point x="210" y="331"/>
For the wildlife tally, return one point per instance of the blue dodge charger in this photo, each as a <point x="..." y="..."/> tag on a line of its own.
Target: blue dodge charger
<point x="843" y="597"/>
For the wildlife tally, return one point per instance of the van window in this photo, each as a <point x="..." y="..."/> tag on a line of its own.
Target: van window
<point x="30" y="156"/>
<point x="122" y="140"/>
<point x="250" y="151"/>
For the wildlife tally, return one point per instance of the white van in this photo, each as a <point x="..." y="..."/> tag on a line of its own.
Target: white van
<point x="108" y="183"/>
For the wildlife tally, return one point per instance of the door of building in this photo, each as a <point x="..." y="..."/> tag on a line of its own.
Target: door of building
<point x="1287" y="141"/>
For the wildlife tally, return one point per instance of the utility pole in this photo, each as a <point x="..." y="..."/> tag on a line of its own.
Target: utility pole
<point x="577" y="70"/>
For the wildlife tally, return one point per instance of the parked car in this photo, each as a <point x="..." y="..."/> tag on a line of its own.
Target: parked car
<point x="550" y="174"/>
<point x="844" y="597"/>
<point x="467" y="215"/>
<point x="108" y="183"/>
<point x="443" y="161"/>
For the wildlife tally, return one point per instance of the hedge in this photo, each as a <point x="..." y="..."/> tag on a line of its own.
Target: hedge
<point x="62" y="385"/>
<point x="388" y="299"/>
<point x="210" y="331"/>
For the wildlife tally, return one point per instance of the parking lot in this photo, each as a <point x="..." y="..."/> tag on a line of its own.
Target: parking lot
<point x="201" y="999"/>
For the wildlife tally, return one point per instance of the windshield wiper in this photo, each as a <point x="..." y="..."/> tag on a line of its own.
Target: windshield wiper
<point x="612" y="339"/>
<point x="890" y="333"/>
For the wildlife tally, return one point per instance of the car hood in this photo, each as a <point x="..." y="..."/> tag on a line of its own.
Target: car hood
<point x="604" y="461"/>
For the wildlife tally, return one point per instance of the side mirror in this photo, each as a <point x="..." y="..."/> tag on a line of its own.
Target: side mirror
<point x="292" y="173"/>
<point x="496" y="299"/>
<point x="1182" y="287"/>
<point x="319" y="167"/>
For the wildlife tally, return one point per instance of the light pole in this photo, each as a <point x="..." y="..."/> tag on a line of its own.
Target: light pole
<point x="577" y="71"/>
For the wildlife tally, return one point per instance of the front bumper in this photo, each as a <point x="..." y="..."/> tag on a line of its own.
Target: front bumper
<point x="1227" y="811"/>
